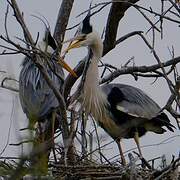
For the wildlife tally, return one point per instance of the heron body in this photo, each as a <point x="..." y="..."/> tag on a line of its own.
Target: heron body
<point x="38" y="100"/>
<point x="120" y="109"/>
<point x="123" y="111"/>
<point x="132" y="110"/>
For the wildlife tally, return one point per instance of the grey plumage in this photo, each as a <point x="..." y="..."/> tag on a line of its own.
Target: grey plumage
<point x="135" y="101"/>
<point x="36" y="98"/>
<point x="133" y="110"/>
<point x="123" y="111"/>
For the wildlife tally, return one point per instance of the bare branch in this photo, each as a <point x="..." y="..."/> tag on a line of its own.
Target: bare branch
<point x="20" y="19"/>
<point x="115" y="15"/>
<point x="123" y="38"/>
<point x="62" y="21"/>
<point x="142" y="69"/>
<point x="5" y="86"/>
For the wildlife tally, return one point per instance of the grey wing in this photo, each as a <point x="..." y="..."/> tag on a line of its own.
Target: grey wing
<point x="36" y="98"/>
<point x="131" y="100"/>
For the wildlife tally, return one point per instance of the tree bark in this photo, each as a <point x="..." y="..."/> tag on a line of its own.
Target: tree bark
<point x="62" y="21"/>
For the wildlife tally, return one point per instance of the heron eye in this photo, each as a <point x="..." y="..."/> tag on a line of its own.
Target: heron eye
<point x="83" y="37"/>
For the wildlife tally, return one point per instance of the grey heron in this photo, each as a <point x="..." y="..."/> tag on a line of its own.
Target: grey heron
<point x="36" y="97"/>
<point x="123" y="111"/>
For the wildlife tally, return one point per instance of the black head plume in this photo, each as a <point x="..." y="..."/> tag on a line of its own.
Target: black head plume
<point x="45" y="21"/>
<point x="86" y="26"/>
<point x="50" y="40"/>
<point x="48" y="37"/>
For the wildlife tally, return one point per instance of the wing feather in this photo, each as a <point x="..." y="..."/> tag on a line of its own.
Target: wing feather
<point x="36" y="98"/>
<point x="131" y="100"/>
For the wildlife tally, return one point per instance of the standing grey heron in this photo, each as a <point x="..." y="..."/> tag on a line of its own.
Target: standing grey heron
<point x="123" y="111"/>
<point x="38" y="100"/>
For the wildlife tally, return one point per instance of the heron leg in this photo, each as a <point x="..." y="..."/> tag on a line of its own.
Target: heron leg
<point x="53" y="132"/>
<point x="53" y="125"/>
<point x="41" y="133"/>
<point x="39" y="161"/>
<point x="121" y="152"/>
<point x="136" y="139"/>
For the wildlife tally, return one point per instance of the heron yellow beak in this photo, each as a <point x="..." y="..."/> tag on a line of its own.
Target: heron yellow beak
<point x="74" y="43"/>
<point x="67" y="67"/>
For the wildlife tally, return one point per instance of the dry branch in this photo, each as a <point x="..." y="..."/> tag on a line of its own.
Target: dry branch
<point x="62" y="21"/>
<point x="116" y="13"/>
<point x="142" y="69"/>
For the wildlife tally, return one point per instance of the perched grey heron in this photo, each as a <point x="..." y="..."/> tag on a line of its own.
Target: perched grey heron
<point x="123" y="111"/>
<point x="37" y="99"/>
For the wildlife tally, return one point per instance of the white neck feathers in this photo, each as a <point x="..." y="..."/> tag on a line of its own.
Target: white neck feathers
<point x="93" y="99"/>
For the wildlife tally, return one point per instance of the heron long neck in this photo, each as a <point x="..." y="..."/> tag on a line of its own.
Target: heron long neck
<point x="92" y="74"/>
<point x="93" y="98"/>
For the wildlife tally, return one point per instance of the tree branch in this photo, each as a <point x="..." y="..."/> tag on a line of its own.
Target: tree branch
<point x="142" y="69"/>
<point x="116" y="13"/>
<point x="62" y="21"/>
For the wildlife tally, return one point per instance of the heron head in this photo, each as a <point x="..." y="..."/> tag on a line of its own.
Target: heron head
<point x="85" y="35"/>
<point x="50" y="41"/>
<point x="49" y="45"/>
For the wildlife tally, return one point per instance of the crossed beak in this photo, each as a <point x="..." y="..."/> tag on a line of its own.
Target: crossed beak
<point x="67" y="67"/>
<point x="74" y="43"/>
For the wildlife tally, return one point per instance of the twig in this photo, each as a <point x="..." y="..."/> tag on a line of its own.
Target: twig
<point x="144" y="15"/>
<point x="62" y="21"/>
<point x="9" y="130"/>
<point x="158" y="175"/>
<point x="142" y="69"/>
<point x="8" y="87"/>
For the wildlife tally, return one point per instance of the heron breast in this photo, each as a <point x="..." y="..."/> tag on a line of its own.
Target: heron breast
<point x="114" y="130"/>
